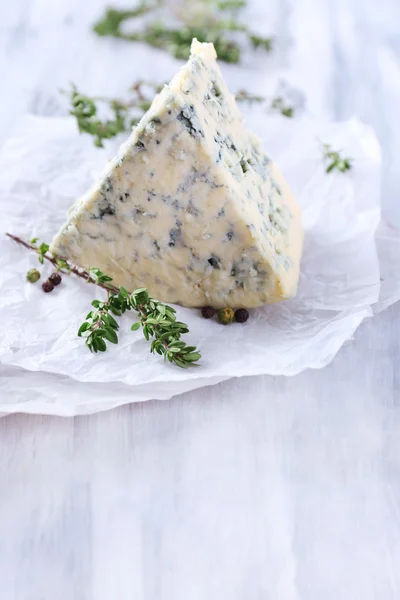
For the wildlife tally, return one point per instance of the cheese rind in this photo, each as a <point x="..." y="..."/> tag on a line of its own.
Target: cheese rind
<point x="191" y="207"/>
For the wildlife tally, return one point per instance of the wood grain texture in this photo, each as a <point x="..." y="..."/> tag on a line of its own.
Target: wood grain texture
<point x="253" y="489"/>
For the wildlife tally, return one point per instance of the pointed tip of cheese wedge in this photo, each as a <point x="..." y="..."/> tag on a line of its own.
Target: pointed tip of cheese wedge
<point x="204" y="49"/>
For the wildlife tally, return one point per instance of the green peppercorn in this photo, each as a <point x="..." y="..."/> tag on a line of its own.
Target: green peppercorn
<point x="33" y="275"/>
<point x="47" y="286"/>
<point x="225" y="316"/>
<point x="208" y="312"/>
<point x="241" y="315"/>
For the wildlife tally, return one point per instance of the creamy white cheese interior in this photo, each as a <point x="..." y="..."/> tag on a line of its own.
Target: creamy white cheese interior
<point x="192" y="207"/>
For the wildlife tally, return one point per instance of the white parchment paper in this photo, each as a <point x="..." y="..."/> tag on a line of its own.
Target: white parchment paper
<point x="46" y="165"/>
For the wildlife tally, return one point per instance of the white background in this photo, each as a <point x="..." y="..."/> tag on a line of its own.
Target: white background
<point x="258" y="488"/>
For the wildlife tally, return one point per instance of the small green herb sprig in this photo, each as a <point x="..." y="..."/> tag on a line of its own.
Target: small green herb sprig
<point x="214" y="23"/>
<point x="113" y="18"/>
<point x="244" y="96"/>
<point x="85" y="111"/>
<point x="158" y="320"/>
<point x="277" y="104"/>
<point x="124" y="114"/>
<point x="335" y="160"/>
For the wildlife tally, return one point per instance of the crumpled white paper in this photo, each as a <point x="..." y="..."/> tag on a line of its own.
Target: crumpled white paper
<point x="46" y="165"/>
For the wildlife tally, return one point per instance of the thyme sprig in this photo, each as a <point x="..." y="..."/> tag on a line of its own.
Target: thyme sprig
<point x="244" y="96"/>
<point x="214" y="23"/>
<point x="85" y="111"/>
<point x="261" y="42"/>
<point x="335" y="160"/>
<point x="277" y="104"/>
<point x="113" y="18"/>
<point x="125" y="114"/>
<point x="158" y="320"/>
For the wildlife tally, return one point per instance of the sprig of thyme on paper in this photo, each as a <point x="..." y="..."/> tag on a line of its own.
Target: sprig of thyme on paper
<point x="335" y="160"/>
<point x="212" y="21"/>
<point x="157" y="320"/>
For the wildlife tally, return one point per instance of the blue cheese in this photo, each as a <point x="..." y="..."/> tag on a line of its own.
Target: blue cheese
<point x="192" y="207"/>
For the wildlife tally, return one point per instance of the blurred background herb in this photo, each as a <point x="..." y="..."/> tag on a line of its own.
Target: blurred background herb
<point x="277" y="104"/>
<point x="124" y="114"/>
<point x="335" y="160"/>
<point x="175" y="24"/>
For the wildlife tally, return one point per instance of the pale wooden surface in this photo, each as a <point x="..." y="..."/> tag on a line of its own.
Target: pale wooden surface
<point x="254" y="489"/>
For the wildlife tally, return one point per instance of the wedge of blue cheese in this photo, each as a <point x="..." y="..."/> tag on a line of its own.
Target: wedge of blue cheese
<point x="191" y="207"/>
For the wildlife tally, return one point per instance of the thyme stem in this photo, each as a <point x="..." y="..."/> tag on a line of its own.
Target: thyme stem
<point x="55" y="261"/>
